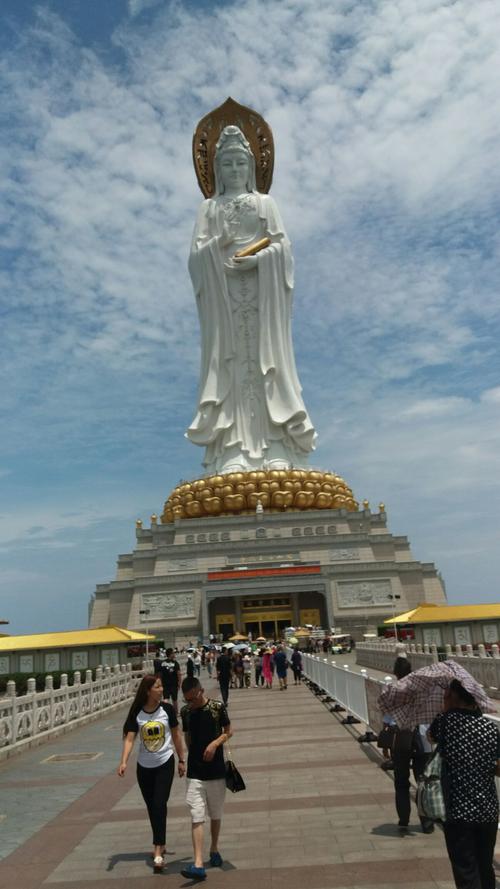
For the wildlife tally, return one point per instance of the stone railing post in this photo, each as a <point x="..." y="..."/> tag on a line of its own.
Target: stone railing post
<point x="458" y="649"/>
<point x="469" y="650"/>
<point x="31" y="693"/>
<point x="65" y="690"/>
<point x="448" y="650"/>
<point x="11" y="693"/>
<point x="495" y="650"/>
<point x="481" y="650"/>
<point x="49" y="688"/>
<point x="434" y="652"/>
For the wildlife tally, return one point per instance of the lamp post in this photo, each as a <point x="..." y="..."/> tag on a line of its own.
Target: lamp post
<point x="146" y="611"/>
<point x="393" y="597"/>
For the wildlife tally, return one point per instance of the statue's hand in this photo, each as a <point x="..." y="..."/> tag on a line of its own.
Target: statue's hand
<point x="245" y="263"/>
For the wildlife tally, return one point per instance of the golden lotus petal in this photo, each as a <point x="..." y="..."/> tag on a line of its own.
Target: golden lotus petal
<point x="213" y="505"/>
<point x="207" y="492"/>
<point x="234" y="502"/>
<point x="323" y="500"/>
<point x="194" y="509"/>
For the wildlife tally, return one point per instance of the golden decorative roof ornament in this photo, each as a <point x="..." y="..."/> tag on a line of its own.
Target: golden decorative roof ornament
<point x="257" y="132"/>
<point x="276" y="490"/>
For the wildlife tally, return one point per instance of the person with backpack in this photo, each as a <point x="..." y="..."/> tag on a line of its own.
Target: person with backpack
<point x="159" y="734"/>
<point x="206" y="727"/>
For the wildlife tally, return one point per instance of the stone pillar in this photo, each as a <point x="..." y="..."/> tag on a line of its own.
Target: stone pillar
<point x="294" y="600"/>
<point x="205" y="617"/>
<point x="237" y="615"/>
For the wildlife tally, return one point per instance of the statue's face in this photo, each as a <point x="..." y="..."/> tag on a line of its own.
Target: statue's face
<point x="233" y="167"/>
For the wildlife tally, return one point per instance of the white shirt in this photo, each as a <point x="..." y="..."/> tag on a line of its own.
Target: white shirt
<point x="155" y="735"/>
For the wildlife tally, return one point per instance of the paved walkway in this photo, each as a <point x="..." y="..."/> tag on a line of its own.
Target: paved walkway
<point x="317" y="813"/>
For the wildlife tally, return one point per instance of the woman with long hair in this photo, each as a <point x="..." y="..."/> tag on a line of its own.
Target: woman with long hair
<point x="155" y="722"/>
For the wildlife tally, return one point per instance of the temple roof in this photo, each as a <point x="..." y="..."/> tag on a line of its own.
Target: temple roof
<point x="427" y="613"/>
<point x="68" y="639"/>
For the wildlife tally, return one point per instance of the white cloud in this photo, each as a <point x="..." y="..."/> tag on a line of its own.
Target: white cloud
<point x="386" y="130"/>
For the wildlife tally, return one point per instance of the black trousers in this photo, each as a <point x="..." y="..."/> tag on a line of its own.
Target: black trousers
<point x="259" y="679"/>
<point x="224" y="689"/>
<point x="403" y="759"/>
<point x="297" y="673"/>
<point x="470" y="849"/>
<point x="155" y="787"/>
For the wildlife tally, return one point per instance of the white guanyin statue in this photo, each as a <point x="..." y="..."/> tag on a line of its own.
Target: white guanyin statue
<point x="250" y="412"/>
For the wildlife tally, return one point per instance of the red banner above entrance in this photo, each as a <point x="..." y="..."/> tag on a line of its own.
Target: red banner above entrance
<point x="243" y="573"/>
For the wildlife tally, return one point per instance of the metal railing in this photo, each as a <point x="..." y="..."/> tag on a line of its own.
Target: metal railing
<point x="356" y="693"/>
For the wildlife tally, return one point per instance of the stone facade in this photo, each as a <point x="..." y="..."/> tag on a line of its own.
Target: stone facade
<point x="227" y="574"/>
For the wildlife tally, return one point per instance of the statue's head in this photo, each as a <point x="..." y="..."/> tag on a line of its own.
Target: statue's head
<point x="233" y="146"/>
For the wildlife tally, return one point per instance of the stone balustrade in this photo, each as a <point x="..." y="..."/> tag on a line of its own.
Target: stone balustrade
<point x="483" y="666"/>
<point x="32" y="718"/>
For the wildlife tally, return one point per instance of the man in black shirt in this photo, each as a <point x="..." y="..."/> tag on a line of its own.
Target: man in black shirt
<point x="170" y="673"/>
<point x="224" y="668"/>
<point x="206" y="728"/>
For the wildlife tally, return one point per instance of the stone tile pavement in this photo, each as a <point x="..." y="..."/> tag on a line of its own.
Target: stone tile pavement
<point x="318" y="812"/>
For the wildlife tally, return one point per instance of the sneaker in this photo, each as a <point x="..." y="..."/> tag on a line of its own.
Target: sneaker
<point x="387" y="765"/>
<point x="215" y="859"/>
<point x="194" y="873"/>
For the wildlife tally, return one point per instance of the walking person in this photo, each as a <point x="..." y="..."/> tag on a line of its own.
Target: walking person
<point x="171" y="677"/>
<point x="247" y="669"/>
<point x="409" y="751"/>
<point x="296" y="661"/>
<point x="209" y="663"/>
<point x="257" y="663"/>
<point x="190" y="666"/>
<point x="267" y="669"/>
<point x="156" y="724"/>
<point x="223" y="668"/>
<point x="470" y="747"/>
<point x="206" y="728"/>
<point x="238" y="670"/>
<point x="197" y="664"/>
<point x="281" y="664"/>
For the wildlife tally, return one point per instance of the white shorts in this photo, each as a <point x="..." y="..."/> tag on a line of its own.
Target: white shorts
<point x="205" y="797"/>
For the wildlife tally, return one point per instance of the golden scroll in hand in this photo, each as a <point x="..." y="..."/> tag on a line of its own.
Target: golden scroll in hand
<point x="252" y="249"/>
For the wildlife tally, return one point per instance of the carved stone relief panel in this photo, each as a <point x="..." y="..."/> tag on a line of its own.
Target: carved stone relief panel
<point x="363" y="593"/>
<point x="165" y="606"/>
<point x="4" y="664"/>
<point x="52" y="660"/>
<point x="176" y="566"/>
<point x="344" y="555"/>
<point x="26" y="663"/>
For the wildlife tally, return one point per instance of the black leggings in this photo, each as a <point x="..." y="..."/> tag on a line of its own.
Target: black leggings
<point x="155" y="787"/>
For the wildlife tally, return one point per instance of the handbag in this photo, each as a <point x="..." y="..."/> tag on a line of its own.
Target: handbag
<point x="430" y="793"/>
<point x="234" y="781"/>
<point x="385" y="738"/>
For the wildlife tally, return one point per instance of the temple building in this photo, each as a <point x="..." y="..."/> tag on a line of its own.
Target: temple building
<point x="261" y="571"/>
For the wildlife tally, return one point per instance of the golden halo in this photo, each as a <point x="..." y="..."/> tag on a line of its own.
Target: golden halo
<point x="257" y="132"/>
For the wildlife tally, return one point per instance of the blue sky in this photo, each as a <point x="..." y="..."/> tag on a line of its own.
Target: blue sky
<point x="387" y="127"/>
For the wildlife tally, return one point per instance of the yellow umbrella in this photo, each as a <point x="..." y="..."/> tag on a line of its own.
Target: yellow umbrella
<point x="238" y="638"/>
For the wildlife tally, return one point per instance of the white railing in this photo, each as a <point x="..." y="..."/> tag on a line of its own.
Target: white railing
<point x="483" y="666"/>
<point x="357" y="693"/>
<point x="41" y="713"/>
